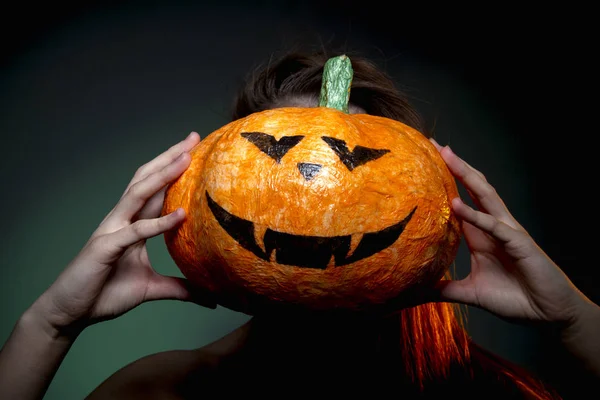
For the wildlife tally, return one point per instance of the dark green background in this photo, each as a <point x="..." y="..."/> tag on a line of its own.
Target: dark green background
<point x="88" y="94"/>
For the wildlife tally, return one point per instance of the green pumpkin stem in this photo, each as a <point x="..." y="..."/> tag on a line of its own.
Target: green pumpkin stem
<point x="337" y="80"/>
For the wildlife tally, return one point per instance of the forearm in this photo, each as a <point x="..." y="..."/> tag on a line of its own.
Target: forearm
<point x="582" y="337"/>
<point x="30" y="358"/>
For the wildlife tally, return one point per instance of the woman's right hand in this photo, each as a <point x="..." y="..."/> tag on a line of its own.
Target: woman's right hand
<point x="112" y="274"/>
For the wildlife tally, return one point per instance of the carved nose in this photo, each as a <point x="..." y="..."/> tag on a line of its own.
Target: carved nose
<point x="309" y="170"/>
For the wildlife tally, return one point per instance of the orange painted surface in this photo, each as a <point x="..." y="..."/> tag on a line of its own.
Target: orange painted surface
<point x="249" y="184"/>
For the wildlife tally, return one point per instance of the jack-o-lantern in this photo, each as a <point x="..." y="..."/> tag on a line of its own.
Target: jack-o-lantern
<point x="314" y="207"/>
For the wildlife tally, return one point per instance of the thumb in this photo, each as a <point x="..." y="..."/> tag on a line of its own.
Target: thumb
<point x="163" y="287"/>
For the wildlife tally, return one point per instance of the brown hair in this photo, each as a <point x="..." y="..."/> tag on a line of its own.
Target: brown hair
<point x="434" y="345"/>
<point x="299" y="74"/>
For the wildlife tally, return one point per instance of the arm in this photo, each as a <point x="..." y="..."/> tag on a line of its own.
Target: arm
<point x="581" y="337"/>
<point x="511" y="276"/>
<point x="30" y="357"/>
<point x="110" y="276"/>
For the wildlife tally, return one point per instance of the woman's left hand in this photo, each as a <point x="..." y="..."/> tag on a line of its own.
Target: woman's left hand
<point x="510" y="276"/>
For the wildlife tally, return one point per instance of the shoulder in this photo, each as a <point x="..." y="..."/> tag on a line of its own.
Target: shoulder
<point x="164" y="375"/>
<point x="176" y="374"/>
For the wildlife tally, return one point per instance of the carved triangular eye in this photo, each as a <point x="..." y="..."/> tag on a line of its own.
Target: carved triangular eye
<point x="352" y="159"/>
<point x="271" y="146"/>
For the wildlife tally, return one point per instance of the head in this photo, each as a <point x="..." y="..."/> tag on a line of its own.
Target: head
<point x="429" y="338"/>
<point x="433" y="331"/>
<point x="294" y="80"/>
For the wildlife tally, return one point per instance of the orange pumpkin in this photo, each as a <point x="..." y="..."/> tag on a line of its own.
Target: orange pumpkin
<point x="314" y="207"/>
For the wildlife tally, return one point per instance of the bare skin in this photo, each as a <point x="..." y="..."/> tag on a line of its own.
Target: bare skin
<point x="167" y="375"/>
<point x="110" y="276"/>
<point x="511" y="277"/>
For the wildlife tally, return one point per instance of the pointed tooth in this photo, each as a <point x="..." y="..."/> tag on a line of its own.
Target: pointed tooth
<point x="331" y="263"/>
<point x="259" y="235"/>
<point x="355" y="239"/>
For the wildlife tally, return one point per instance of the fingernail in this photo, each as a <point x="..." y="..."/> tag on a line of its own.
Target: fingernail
<point x="457" y="201"/>
<point x="436" y="144"/>
<point x="190" y="135"/>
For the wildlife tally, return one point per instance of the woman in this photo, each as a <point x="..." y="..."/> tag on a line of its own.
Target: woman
<point x="419" y="352"/>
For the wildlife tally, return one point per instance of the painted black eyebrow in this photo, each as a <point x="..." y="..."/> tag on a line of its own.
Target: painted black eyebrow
<point x="272" y="147"/>
<point x="357" y="157"/>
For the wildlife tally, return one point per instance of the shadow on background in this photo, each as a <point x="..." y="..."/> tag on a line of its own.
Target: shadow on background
<point x="89" y="93"/>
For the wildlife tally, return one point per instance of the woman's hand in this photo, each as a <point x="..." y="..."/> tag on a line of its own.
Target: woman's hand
<point x="511" y="276"/>
<point x="112" y="274"/>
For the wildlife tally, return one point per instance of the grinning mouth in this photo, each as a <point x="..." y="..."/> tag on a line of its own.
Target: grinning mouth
<point x="306" y="251"/>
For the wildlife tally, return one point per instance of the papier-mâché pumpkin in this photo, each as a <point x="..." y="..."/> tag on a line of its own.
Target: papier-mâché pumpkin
<point x="314" y="207"/>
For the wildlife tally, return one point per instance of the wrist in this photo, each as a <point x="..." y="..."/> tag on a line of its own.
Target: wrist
<point x="38" y="319"/>
<point x="585" y="315"/>
<point x="31" y="356"/>
<point x="580" y="336"/>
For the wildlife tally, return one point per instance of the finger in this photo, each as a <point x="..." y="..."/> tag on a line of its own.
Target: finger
<point x="436" y="144"/>
<point x="144" y="229"/>
<point x="484" y="194"/>
<point x="174" y="288"/>
<point x="135" y="202"/>
<point x="439" y="147"/>
<point x="138" y="194"/>
<point x="455" y="163"/>
<point x="164" y="159"/>
<point x="486" y="222"/>
<point x="456" y="291"/>
<point x="107" y="248"/>
<point x="477" y="240"/>
<point x="153" y="206"/>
